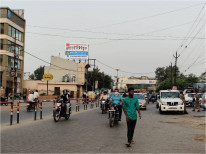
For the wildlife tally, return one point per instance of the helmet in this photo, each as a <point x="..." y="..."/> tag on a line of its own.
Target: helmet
<point x="105" y="91"/>
<point x="65" y="91"/>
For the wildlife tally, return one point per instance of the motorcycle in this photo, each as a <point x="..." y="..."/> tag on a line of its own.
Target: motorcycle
<point x="103" y="106"/>
<point x="153" y="100"/>
<point x="113" y="115"/>
<point x="30" y="106"/>
<point x="60" y="111"/>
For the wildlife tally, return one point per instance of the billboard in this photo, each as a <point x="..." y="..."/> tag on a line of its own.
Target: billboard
<point x="76" y="51"/>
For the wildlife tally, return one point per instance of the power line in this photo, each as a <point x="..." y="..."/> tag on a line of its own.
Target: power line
<point x="51" y="63"/>
<point x="93" y="38"/>
<point x="146" y="17"/>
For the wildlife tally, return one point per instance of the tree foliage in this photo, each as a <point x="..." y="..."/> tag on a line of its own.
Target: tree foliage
<point x="104" y="80"/>
<point x="38" y="74"/>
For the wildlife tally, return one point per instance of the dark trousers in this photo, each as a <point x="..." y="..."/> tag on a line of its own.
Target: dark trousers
<point x="120" y="110"/>
<point x="130" y="129"/>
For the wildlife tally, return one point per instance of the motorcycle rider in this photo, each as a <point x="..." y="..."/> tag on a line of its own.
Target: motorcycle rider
<point x="66" y="100"/>
<point x="105" y="97"/>
<point x="117" y="99"/>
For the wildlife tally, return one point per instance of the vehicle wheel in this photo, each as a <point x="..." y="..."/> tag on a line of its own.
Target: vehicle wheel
<point x="67" y="116"/>
<point x="160" y="111"/>
<point x="157" y="106"/>
<point x="111" y="122"/>
<point x="56" y="116"/>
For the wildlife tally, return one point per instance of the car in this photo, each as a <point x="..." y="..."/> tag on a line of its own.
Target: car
<point x="141" y="99"/>
<point x="189" y="99"/>
<point x="203" y="101"/>
<point x="189" y="90"/>
<point x="169" y="100"/>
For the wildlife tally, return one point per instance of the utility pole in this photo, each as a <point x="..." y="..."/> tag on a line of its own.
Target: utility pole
<point x="171" y="75"/>
<point x="13" y="71"/>
<point x="117" y="78"/>
<point x="176" y="57"/>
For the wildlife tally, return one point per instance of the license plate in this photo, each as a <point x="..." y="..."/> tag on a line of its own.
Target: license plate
<point x="172" y="108"/>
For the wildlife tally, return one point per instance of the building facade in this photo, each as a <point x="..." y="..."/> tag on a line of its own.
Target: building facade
<point x="12" y="41"/>
<point x="142" y="82"/>
<point x="66" y="74"/>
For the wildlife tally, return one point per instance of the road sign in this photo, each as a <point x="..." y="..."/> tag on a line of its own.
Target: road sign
<point x="48" y="76"/>
<point x="174" y="88"/>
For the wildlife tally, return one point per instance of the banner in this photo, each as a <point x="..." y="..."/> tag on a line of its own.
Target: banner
<point x="76" y="51"/>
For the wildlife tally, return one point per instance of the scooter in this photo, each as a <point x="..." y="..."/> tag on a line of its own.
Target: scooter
<point x="113" y="115"/>
<point x="60" y="111"/>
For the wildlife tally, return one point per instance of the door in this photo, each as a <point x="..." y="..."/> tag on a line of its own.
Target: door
<point x="57" y="90"/>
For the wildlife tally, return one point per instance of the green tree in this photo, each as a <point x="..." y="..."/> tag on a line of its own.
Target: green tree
<point x="38" y="73"/>
<point x="104" y="80"/>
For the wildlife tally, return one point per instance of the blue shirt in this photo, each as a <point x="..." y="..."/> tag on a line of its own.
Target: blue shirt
<point x="131" y="106"/>
<point x="116" y="99"/>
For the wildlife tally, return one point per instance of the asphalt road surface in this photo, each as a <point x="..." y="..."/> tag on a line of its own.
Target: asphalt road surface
<point x="89" y="132"/>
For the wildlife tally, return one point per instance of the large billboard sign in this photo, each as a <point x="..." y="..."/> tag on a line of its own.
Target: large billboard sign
<point x="76" y="51"/>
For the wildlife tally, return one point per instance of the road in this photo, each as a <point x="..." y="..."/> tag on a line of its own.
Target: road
<point x="89" y="132"/>
<point x="24" y="115"/>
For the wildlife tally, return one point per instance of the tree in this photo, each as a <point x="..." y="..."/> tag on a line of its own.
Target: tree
<point x="104" y="80"/>
<point x="163" y="73"/>
<point x="38" y="73"/>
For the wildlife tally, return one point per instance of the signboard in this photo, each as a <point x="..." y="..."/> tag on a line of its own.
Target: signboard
<point x="13" y="72"/>
<point x="76" y="51"/>
<point x="174" y="88"/>
<point x="48" y="76"/>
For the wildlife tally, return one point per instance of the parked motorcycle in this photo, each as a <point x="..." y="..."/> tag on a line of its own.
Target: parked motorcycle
<point x="113" y="116"/>
<point x="60" y="111"/>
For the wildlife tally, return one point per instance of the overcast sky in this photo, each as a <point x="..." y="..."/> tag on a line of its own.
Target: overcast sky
<point x="132" y="53"/>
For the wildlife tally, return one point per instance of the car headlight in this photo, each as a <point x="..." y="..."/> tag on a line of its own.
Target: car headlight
<point x="180" y="103"/>
<point x="164" y="103"/>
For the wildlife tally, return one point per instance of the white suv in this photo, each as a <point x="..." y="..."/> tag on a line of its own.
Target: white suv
<point x="169" y="100"/>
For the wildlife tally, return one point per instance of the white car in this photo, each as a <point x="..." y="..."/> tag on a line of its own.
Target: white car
<point x="169" y="100"/>
<point x="203" y="101"/>
<point x="189" y="99"/>
<point x="142" y="101"/>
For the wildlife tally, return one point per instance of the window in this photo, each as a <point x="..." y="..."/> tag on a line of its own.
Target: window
<point x="10" y="31"/>
<point x="1" y="44"/>
<point x="11" y="47"/>
<point x="10" y="62"/>
<point x="13" y="32"/>
<point x="2" y="28"/>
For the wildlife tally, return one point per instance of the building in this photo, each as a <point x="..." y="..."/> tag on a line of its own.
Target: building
<point x="67" y="74"/>
<point x="12" y="40"/>
<point x="142" y="82"/>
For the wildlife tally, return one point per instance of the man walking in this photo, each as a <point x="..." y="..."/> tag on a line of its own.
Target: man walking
<point x="197" y="102"/>
<point x="130" y="105"/>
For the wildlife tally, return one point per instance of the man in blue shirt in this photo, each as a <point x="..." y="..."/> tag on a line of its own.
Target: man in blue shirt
<point x="117" y="99"/>
<point x="130" y="105"/>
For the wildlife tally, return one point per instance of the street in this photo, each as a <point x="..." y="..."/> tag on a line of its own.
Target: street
<point x="89" y="132"/>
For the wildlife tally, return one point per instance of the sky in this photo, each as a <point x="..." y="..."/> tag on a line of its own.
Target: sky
<point x="133" y="36"/>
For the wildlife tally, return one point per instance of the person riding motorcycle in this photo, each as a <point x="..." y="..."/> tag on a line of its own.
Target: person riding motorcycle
<point x="117" y="99"/>
<point x="105" y="97"/>
<point x="66" y="100"/>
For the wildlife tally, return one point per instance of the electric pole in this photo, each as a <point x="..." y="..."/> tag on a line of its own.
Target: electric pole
<point x="117" y="78"/>
<point x="171" y="75"/>
<point x="176" y="57"/>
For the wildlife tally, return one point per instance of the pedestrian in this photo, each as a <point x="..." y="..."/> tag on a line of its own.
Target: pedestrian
<point x="36" y="96"/>
<point x="130" y="106"/>
<point x="182" y="97"/>
<point x="197" y="102"/>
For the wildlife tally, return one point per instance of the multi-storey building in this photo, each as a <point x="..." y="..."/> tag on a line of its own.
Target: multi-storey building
<point x="12" y="39"/>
